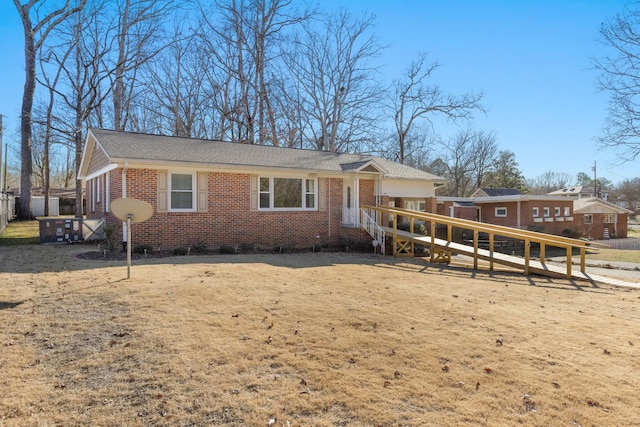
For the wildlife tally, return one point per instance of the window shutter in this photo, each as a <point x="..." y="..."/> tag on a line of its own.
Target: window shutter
<point x="163" y="191"/>
<point x="253" y="192"/>
<point x="203" y="191"/>
<point x="322" y="194"/>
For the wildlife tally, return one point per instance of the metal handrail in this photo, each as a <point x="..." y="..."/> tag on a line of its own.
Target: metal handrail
<point x="371" y="226"/>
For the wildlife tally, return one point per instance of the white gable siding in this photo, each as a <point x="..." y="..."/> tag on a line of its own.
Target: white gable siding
<point x="406" y="188"/>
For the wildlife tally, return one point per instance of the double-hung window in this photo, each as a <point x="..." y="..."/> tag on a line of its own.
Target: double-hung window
<point x="287" y="193"/>
<point x="182" y="192"/>
<point x="501" y="212"/>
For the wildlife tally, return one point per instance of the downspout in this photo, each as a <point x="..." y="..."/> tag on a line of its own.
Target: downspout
<point x="124" y="179"/>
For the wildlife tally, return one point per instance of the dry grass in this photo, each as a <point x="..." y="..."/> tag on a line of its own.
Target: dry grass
<point x="622" y="255"/>
<point x="20" y="233"/>
<point x="315" y="339"/>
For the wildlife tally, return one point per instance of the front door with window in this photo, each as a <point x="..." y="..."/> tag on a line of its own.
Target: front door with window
<point x="350" y="202"/>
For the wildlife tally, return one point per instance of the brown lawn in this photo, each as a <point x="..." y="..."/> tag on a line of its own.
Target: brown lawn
<point x="308" y="339"/>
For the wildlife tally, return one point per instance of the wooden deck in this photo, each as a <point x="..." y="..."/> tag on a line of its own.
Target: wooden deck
<point x="441" y="250"/>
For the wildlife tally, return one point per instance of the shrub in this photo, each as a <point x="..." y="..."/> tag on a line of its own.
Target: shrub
<point x="418" y="228"/>
<point x="226" y="249"/>
<point x="247" y="247"/>
<point x="140" y="249"/>
<point x="110" y="232"/>
<point x="568" y="232"/>
<point x="180" y="251"/>
<point x="199" y="248"/>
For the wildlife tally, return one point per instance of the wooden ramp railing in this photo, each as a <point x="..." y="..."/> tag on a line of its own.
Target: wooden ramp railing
<point x="442" y="246"/>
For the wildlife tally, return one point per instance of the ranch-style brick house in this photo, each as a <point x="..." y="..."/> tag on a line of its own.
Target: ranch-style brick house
<point x="242" y="195"/>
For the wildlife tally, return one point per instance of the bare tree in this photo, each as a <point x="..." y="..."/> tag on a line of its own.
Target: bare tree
<point x="484" y="149"/>
<point x="412" y="99"/>
<point x="138" y="33"/>
<point x="337" y="92"/>
<point x="34" y="37"/>
<point x="620" y="77"/>
<point x="81" y="58"/>
<point x="458" y="157"/>
<point x="466" y="161"/>
<point x="628" y="191"/>
<point x="549" y="181"/>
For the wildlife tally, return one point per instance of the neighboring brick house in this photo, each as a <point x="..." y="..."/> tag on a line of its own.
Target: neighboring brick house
<point x="241" y="195"/>
<point x="598" y="219"/>
<point x="550" y="214"/>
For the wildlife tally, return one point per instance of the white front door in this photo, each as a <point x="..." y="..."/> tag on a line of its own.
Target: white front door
<point x="350" y="202"/>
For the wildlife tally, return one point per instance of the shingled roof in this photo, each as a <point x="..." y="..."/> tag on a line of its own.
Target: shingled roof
<point x="496" y="192"/>
<point x="137" y="147"/>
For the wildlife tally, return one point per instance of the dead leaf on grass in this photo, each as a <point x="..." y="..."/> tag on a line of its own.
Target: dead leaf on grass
<point x="529" y="405"/>
<point x="488" y="370"/>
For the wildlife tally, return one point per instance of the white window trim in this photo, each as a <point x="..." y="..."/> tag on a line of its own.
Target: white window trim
<point x="499" y="215"/>
<point x="546" y="212"/>
<point x="194" y="191"/>
<point x="107" y="197"/>
<point x="567" y="211"/>
<point x="556" y="212"/>
<point x="303" y="194"/>
<point x="93" y="194"/>
<point x="590" y="217"/>
<point x="536" y="212"/>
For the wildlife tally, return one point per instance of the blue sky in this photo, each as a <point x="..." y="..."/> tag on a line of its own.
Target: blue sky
<point x="532" y="60"/>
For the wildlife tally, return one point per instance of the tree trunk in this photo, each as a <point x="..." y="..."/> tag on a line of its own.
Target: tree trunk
<point x="25" y="119"/>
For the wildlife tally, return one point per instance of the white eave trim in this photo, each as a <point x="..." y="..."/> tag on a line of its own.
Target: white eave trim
<point x="99" y="172"/>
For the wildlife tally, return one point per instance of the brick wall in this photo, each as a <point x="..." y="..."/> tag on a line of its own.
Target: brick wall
<point x="229" y="219"/>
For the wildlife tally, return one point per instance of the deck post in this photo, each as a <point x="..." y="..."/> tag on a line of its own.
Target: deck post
<point x="433" y="240"/>
<point x="542" y="252"/>
<point x="411" y="230"/>
<point x="491" y="238"/>
<point x="475" y="249"/>
<point x="582" y="259"/>
<point x="395" y="234"/>
<point x="527" y="255"/>
<point x="569" y="261"/>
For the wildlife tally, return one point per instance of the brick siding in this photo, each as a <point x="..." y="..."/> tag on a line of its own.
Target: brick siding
<point x="230" y="221"/>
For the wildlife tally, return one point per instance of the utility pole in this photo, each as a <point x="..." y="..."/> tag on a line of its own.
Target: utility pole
<point x="595" y="180"/>
<point x="2" y="175"/>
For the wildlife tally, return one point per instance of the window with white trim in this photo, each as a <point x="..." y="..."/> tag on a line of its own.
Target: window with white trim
<point x="588" y="218"/>
<point x="501" y="212"/>
<point x="536" y="212"/>
<point x="182" y="192"/>
<point x="609" y="218"/>
<point x="287" y="193"/>
<point x="556" y="211"/>
<point x="546" y="212"/>
<point x="567" y="211"/>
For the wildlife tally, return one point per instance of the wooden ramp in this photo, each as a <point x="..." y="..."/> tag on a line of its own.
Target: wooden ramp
<point x="441" y="249"/>
<point x="519" y="263"/>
